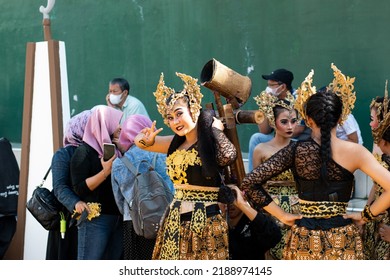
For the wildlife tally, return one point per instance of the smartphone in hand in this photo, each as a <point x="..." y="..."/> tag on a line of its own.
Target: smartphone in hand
<point x="108" y="151"/>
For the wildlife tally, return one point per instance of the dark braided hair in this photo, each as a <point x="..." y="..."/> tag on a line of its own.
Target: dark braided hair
<point x="325" y="109"/>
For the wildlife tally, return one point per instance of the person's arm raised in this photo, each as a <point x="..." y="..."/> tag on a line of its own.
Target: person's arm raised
<point x="148" y="140"/>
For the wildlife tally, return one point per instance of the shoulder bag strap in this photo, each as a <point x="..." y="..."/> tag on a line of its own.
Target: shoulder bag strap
<point x="44" y="177"/>
<point x="154" y="161"/>
<point x="129" y="165"/>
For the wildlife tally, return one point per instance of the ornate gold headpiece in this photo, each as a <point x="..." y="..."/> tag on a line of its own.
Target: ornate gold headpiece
<point x="267" y="103"/>
<point x="382" y="111"/>
<point x="341" y="85"/>
<point x="190" y="89"/>
<point x="303" y="94"/>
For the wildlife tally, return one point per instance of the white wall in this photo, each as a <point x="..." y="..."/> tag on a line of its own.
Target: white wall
<point x="41" y="142"/>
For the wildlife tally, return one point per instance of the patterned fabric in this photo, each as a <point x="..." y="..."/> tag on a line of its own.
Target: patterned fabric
<point x="340" y="243"/>
<point x="177" y="237"/>
<point x="303" y="158"/>
<point x="374" y="247"/>
<point x="284" y="193"/>
<point x="212" y="245"/>
<point x="178" y="163"/>
<point x="322" y="209"/>
<point x="195" y="199"/>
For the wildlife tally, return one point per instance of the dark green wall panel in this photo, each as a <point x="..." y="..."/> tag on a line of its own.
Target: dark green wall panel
<point x="140" y="39"/>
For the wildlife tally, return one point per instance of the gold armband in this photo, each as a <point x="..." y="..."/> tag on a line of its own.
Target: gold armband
<point x="367" y="214"/>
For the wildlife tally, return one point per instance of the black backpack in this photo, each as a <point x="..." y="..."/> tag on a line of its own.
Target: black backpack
<point x="151" y="197"/>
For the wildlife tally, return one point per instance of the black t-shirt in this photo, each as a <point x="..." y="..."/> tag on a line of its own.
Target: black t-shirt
<point x="250" y="240"/>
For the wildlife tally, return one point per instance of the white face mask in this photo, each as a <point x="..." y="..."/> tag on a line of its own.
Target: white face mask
<point x="115" y="99"/>
<point x="273" y="91"/>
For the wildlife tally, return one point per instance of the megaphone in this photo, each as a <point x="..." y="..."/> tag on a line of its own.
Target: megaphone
<point x="231" y="85"/>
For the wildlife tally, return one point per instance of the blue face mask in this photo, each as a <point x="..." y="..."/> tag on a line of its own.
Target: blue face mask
<point x="115" y="99"/>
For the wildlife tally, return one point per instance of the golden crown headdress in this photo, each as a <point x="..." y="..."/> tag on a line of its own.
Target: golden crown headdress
<point x="383" y="115"/>
<point x="267" y="103"/>
<point x="191" y="89"/>
<point x="341" y="85"/>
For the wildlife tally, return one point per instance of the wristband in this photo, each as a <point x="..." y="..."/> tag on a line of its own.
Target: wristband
<point x="367" y="214"/>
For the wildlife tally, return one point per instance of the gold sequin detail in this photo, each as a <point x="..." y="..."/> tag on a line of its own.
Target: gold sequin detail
<point x="284" y="176"/>
<point x="178" y="163"/>
<point x="198" y="220"/>
<point x="341" y="85"/>
<point x="322" y="209"/>
<point x="194" y="195"/>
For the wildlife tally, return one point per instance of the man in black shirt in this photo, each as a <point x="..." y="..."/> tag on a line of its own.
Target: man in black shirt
<point x="251" y="233"/>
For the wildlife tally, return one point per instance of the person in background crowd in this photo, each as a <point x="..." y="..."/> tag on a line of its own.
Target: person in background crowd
<point x="65" y="247"/>
<point x="323" y="169"/>
<point x="349" y="130"/>
<point x="100" y="230"/>
<point x="135" y="247"/>
<point x="279" y="84"/>
<point x="194" y="227"/>
<point x="119" y="97"/>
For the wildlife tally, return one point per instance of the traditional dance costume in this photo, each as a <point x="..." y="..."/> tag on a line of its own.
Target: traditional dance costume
<point x="193" y="227"/>
<point x="284" y="193"/>
<point x="374" y="247"/>
<point x="323" y="233"/>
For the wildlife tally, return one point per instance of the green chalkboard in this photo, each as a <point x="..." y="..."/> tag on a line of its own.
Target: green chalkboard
<point x="140" y="39"/>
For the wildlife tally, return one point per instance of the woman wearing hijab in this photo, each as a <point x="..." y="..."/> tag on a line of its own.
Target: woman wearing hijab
<point x="100" y="227"/>
<point x="65" y="247"/>
<point x="135" y="247"/>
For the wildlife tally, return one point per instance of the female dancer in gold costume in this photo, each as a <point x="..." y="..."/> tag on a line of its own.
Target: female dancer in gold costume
<point x="283" y="118"/>
<point x="193" y="227"/>
<point x="323" y="169"/>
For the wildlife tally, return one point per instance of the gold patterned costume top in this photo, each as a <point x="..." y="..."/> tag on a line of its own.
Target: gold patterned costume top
<point x="194" y="213"/>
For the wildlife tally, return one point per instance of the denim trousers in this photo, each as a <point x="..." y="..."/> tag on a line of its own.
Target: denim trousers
<point x="101" y="238"/>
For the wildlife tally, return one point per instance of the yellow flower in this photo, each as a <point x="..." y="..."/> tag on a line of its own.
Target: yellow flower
<point x="95" y="211"/>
